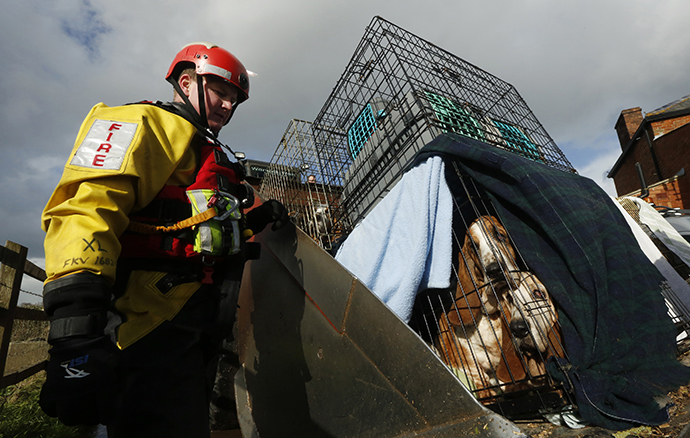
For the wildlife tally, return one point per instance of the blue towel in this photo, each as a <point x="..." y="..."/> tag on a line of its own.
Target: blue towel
<point x="404" y="244"/>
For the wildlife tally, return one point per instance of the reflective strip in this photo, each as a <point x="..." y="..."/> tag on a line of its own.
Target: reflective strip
<point x="218" y="71"/>
<point x="235" y="237"/>
<point x="204" y="235"/>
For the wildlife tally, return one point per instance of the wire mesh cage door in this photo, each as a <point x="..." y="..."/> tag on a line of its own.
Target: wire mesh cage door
<point x="397" y="93"/>
<point x="497" y="325"/>
<point x="295" y="177"/>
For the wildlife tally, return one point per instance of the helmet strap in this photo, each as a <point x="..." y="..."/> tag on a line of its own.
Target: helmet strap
<point x="201" y="99"/>
<point x="200" y="117"/>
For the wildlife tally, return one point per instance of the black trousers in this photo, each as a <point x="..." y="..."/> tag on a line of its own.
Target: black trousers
<point x="167" y="376"/>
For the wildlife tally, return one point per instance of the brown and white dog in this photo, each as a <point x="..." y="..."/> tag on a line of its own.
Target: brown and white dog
<point x="503" y="321"/>
<point x="472" y="333"/>
<point x="534" y="330"/>
<point x="474" y="351"/>
<point x="486" y="256"/>
<point x="505" y="350"/>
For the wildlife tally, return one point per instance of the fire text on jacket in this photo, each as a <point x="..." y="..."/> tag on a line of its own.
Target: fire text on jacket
<point x="105" y="145"/>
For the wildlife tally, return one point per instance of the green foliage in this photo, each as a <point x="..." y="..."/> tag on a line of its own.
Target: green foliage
<point x="22" y="417"/>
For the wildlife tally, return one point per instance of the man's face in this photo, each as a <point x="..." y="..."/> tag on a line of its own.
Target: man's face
<point x="221" y="96"/>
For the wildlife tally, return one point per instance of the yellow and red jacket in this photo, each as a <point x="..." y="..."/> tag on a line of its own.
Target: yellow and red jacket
<point x="124" y="158"/>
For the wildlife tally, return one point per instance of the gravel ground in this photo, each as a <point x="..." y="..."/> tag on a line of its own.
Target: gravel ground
<point x="678" y="427"/>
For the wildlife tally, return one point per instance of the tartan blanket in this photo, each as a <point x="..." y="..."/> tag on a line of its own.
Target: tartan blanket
<point x="618" y="337"/>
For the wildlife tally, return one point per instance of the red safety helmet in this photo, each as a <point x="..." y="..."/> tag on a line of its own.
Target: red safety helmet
<point x="210" y="59"/>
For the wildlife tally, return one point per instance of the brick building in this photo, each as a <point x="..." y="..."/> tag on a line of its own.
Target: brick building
<point x="655" y="152"/>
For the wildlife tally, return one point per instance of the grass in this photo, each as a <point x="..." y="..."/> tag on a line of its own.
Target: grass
<point x="22" y="417"/>
<point x="20" y="414"/>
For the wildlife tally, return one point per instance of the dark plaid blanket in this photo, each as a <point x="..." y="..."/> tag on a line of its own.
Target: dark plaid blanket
<point x="618" y="337"/>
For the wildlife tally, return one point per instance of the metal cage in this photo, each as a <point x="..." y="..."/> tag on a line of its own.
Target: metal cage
<point x="294" y="176"/>
<point x="497" y="325"/>
<point x="397" y="93"/>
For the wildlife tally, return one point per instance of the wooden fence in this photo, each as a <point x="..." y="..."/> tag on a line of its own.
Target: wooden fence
<point x="14" y="267"/>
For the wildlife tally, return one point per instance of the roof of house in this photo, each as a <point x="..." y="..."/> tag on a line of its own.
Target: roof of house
<point x="678" y="105"/>
<point x="670" y="110"/>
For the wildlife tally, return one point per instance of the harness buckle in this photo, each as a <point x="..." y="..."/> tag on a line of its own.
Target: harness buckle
<point x="220" y="201"/>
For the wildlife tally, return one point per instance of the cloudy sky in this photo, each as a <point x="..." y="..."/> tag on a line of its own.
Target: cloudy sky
<point x="577" y="64"/>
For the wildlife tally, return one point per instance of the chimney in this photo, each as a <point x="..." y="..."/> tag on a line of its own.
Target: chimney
<point x="627" y="124"/>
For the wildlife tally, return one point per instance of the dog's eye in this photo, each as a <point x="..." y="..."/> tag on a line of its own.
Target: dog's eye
<point x="538" y="294"/>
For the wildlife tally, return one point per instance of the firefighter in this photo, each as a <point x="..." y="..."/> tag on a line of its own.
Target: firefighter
<point x="145" y="242"/>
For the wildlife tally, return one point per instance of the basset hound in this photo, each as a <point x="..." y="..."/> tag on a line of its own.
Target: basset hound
<point x="486" y="257"/>
<point x="535" y="334"/>
<point x="503" y="323"/>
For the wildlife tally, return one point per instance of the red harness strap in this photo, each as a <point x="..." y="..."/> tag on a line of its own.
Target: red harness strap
<point x="215" y="172"/>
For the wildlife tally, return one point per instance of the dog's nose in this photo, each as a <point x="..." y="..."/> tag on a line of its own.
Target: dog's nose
<point x="519" y="328"/>
<point x="493" y="269"/>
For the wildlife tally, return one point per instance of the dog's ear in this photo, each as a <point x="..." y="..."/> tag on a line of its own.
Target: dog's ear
<point x="511" y="364"/>
<point x="448" y="344"/>
<point x="454" y="318"/>
<point x="467" y="308"/>
<point x="555" y="341"/>
<point x="468" y="304"/>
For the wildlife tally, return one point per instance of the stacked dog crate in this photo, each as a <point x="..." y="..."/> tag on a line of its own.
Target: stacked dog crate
<point x="398" y="93"/>
<point x="295" y="176"/>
